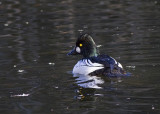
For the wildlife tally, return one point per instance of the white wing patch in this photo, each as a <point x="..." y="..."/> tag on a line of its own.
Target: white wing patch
<point x="85" y="67"/>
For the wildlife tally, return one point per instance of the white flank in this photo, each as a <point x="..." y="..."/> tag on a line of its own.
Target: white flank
<point x="85" y="67"/>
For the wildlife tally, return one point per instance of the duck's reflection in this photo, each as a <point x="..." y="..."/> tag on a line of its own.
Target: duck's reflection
<point x="87" y="81"/>
<point x="85" y="94"/>
<point x="87" y="86"/>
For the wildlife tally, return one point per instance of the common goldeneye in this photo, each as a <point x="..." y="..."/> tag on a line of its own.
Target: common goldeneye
<point x="92" y="62"/>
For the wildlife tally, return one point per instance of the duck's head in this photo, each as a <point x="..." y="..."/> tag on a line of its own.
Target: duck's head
<point x="85" y="46"/>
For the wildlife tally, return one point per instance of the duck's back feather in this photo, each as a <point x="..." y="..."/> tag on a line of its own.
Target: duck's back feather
<point x="111" y="66"/>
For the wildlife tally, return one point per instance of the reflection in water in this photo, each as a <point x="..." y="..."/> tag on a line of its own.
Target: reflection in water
<point x="87" y="81"/>
<point x="86" y="94"/>
<point x="20" y="95"/>
<point x="88" y="85"/>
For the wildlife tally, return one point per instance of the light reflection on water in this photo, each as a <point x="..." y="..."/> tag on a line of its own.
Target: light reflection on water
<point x="36" y="36"/>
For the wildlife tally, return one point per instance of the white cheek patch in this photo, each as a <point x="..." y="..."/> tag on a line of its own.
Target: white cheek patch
<point x="78" y="50"/>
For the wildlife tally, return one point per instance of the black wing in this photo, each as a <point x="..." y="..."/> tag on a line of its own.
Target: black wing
<point x="110" y="64"/>
<point x="106" y="60"/>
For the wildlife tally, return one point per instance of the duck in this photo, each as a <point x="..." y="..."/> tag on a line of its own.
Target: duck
<point x="93" y="63"/>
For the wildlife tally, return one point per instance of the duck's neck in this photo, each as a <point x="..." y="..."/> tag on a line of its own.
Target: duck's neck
<point x="91" y="53"/>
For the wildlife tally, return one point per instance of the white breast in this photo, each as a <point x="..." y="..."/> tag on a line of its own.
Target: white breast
<point x="85" y="67"/>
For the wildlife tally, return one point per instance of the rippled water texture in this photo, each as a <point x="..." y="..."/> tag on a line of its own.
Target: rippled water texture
<point x="35" y="72"/>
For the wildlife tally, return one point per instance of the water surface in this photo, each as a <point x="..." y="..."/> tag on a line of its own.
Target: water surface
<point x="35" y="72"/>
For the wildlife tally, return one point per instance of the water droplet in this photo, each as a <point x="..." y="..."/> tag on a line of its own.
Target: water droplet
<point x="117" y="28"/>
<point x="138" y="27"/>
<point x="20" y="71"/>
<point x="80" y="30"/>
<point x="128" y="98"/>
<point x="56" y="87"/>
<point x="42" y="28"/>
<point x="155" y="2"/>
<point x="85" y="27"/>
<point x="153" y="65"/>
<point x="119" y="80"/>
<point x="101" y="2"/>
<point x="149" y="29"/>
<point x="6" y="24"/>
<point x="41" y="10"/>
<point x="131" y="66"/>
<point x="51" y="63"/>
<point x="27" y="23"/>
<point x="20" y="95"/>
<point x="99" y="46"/>
<point x="52" y="110"/>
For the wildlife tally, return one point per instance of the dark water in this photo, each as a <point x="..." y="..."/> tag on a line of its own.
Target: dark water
<point x="35" y="72"/>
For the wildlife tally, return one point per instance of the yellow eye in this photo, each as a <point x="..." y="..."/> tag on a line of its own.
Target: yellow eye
<point x="80" y="45"/>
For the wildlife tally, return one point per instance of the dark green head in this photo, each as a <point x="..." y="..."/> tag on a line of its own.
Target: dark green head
<point x="85" y="46"/>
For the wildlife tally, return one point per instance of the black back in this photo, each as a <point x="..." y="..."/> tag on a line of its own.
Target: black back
<point x="111" y="67"/>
